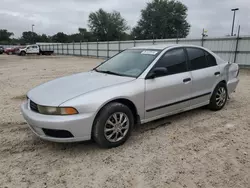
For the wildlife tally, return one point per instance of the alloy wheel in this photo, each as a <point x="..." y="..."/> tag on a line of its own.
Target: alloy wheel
<point x="116" y="127"/>
<point x="221" y="96"/>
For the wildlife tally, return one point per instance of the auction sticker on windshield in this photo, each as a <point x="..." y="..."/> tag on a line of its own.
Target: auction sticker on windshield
<point x="149" y="52"/>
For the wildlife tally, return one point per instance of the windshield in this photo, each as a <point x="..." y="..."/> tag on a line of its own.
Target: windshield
<point x="129" y="63"/>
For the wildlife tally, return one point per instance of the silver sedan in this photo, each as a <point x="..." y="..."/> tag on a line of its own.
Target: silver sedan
<point x="136" y="86"/>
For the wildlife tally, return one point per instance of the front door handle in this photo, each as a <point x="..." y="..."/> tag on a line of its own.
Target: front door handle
<point x="187" y="80"/>
<point x="217" y="73"/>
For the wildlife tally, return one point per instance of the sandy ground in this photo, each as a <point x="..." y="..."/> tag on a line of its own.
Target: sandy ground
<point x="195" y="149"/>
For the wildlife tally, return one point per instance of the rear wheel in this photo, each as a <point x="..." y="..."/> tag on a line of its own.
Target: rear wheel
<point x="219" y="97"/>
<point x="113" y="125"/>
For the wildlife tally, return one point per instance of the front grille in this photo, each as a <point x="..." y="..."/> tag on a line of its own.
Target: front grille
<point x="58" y="133"/>
<point x="33" y="106"/>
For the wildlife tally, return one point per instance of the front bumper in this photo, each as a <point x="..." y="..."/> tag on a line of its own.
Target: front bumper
<point x="80" y="125"/>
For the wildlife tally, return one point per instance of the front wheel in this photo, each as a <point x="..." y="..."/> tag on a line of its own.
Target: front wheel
<point x="219" y="97"/>
<point x="22" y="53"/>
<point x="113" y="125"/>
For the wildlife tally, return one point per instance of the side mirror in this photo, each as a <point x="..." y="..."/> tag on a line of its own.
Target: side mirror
<point x="157" y="72"/>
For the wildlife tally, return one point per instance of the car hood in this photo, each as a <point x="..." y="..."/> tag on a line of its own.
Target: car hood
<point x="56" y="92"/>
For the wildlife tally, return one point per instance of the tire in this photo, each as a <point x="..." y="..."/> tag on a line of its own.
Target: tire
<point x="219" y="97"/>
<point x="101" y="132"/>
<point x="22" y="53"/>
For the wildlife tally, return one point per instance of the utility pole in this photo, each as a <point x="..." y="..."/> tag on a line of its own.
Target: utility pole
<point x="177" y="37"/>
<point x="237" y="44"/>
<point x="33" y="33"/>
<point x="234" y="10"/>
<point x="153" y="38"/>
<point x="203" y="35"/>
<point x="33" y="28"/>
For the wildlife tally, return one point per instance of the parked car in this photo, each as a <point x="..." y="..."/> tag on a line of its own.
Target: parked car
<point x="8" y="51"/>
<point x="136" y="86"/>
<point x="1" y="50"/>
<point x="34" y="49"/>
<point x="12" y="50"/>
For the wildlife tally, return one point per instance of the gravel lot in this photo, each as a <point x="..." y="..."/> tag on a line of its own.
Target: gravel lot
<point x="199" y="148"/>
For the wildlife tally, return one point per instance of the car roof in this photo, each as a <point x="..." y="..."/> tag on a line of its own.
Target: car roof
<point x="156" y="47"/>
<point x="165" y="46"/>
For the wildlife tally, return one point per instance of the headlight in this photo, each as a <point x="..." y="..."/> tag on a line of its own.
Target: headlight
<point x="57" y="110"/>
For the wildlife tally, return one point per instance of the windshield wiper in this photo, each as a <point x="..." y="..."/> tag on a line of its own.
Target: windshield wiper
<point x="109" y="72"/>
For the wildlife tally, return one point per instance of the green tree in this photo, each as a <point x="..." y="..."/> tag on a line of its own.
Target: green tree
<point x="82" y="31"/>
<point x="76" y="37"/>
<point x="29" y="37"/>
<point x="107" y="26"/>
<point x="162" y="19"/>
<point x="60" y="37"/>
<point x="86" y="35"/>
<point x="43" y="38"/>
<point x="5" y="35"/>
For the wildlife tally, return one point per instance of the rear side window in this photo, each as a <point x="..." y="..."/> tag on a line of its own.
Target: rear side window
<point x="211" y="61"/>
<point x="197" y="58"/>
<point x="174" y="61"/>
<point x="200" y="59"/>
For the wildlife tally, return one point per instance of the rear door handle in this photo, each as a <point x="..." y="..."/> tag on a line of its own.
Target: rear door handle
<point x="217" y="73"/>
<point x="187" y="80"/>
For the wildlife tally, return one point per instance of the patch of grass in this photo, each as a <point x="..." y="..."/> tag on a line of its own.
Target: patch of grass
<point x="20" y="97"/>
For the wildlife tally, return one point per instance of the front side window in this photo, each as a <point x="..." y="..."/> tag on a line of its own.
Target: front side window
<point x="174" y="61"/>
<point x="34" y="47"/>
<point x="199" y="59"/>
<point x="130" y="63"/>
